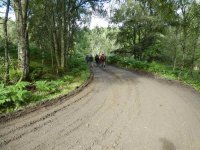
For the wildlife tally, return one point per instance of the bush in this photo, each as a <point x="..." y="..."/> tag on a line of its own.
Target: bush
<point x="77" y="64"/>
<point x="15" y="75"/>
<point x="49" y="86"/>
<point x="49" y="76"/>
<point x="36" y="73"/>
<point x="14" y="96"/>
<point x="84" y="75"/>
<point x="56" y="85"/>
<point x="42" y="86"/>
<point x="127" y="62"/>
<point x="68" y="78"/>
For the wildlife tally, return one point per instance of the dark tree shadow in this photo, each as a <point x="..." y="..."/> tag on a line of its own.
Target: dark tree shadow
<point x="167" y="145"/>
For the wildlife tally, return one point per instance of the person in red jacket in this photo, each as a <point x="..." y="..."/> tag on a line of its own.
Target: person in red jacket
<point x="103" y="60"/>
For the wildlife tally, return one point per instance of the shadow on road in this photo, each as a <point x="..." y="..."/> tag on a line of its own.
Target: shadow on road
<point x="167" y="145"/>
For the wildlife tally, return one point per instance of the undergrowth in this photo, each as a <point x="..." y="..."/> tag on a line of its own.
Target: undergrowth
<point x="41" y="88"/>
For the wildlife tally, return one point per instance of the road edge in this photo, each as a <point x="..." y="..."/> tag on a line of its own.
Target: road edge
<point x="158" y="77"/>
<point x="49" y="102"/>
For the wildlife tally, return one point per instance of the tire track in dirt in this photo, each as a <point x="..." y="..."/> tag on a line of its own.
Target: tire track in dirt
<point x="44" y="117"/>
<point x="47" y="116"/>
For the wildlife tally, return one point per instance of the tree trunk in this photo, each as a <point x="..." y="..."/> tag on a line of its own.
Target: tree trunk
<point x="6" y="43"/>
<point x="183" y="53"/>
<point x="20" y="8"/>
<point x="195" y="40"/>
<point x="68" y="35"/>
<point x="42" y="56"/>
<point x="52" y="60"/>
<point x="52" y="49"/>
<point x="183" y="9"/>
<point x="27" y="52"/>
<point x="63" y="47"/>
<point x="139" y="35"/>
<point x="55" y="40"/>
<point x="174" y="60"/>
<point x="134" y="43"/>
<point x="175" y="52"/>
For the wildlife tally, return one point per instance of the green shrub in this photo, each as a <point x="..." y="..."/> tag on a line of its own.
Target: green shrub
<point x="49" y="76"/>
<point x="75" y="72"/>
<point x="42" y="86"/>
<point x="19" y="94"/>
<point x="36" y="73"/>
<point x="15" y="75"/>
<point x="77" y="63"/>
<point x="84" y="75"/>
<point x="5" y="97"/>
<point x="56" y="85"/>
<point x="68" y="78"/>
<point x="127" y="62"/>
<point x="14" y="96"/>
<point x="49" y="86"/>
<point x="2" y="69"/>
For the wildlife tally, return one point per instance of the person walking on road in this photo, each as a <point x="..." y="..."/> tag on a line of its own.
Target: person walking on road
<point x="103" y="60"/>
<point x="97" y="60"/>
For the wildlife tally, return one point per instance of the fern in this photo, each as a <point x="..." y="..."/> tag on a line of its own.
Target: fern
<point x="42" y="86"/>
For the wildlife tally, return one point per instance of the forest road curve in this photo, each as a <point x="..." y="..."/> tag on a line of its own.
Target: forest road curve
<point x="119" y="110"/>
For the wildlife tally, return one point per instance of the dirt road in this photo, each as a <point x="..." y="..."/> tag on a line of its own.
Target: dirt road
<point x="118" y="110"/>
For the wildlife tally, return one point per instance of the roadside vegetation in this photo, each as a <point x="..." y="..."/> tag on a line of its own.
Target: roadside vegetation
<point x="43" y="85"/>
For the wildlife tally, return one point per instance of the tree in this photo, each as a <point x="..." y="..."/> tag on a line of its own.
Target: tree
<point x="194" y="30"/>
<point x="6" y="42"/>
<point x="21" y="13"/>
<point x="55" y="22"/>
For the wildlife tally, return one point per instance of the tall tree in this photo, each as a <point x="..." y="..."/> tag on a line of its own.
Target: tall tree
<point x="21" y="13"/>
<point x="6" y="41"/>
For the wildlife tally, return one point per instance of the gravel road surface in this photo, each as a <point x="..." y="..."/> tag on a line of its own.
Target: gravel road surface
<point x="119" y="110"/>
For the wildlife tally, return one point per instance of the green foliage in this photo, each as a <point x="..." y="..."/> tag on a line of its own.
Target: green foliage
<point x="76" y="65"/>
<point x="55" y="86"/>
<point x="128" y="62"/>
<point x="15" y="75"/>
<point x="2" y="69"/>
<point x="49" y="86"/>
<point x="49" y="76"/>
<point x="84" y="75"/>
<point x="68" y="78"/>
<point x="36" y="73"/>
<point x="42" y="86"/>
<point x="11" y="31"/>
<point x="14" y="96"/>
<point x="96" y="41"/>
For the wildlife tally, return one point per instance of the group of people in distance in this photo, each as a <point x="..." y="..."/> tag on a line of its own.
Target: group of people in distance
<point x="99" y="59"/>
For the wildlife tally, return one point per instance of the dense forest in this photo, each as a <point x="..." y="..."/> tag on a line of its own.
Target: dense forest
<point x="42" y="51"/>
<point x="39" y="49"/>
<point x="167" y="31"/>
<point x="159" y="36"/>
